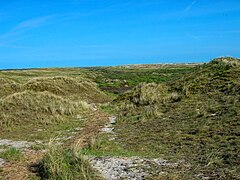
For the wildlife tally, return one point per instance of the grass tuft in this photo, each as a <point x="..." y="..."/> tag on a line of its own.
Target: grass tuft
<point x="60" y="163"/>
<point x="12" y="154"/>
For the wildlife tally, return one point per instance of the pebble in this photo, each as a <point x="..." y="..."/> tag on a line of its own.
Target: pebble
<point x="115" y="168"/>
<point x="2" y="162"/>
<point x="107" y="129"/>
<point x="112" y="120"/>
<point x="15" y="144"/>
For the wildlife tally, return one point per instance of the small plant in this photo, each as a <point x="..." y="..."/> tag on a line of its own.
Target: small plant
<point x="12" y="154"/>
<point x="60" y="163"/>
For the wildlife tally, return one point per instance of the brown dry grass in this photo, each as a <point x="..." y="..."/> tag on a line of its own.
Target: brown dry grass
<point x="195" y="119"/>
<point x="21" y="170"/>
<point x="91" y="130"/>
<point x="72" y="88"/>
<point x="8" y="86"/>
<point x="27" y="167"/>
<point x="36" y="108"/>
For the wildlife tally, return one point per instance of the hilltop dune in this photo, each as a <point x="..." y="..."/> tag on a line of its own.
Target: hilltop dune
<point x="46" y="100"/>
<point x="220" y="75"/>
<point x="8" y="86"/>
<point x="73" y="88"/>
<point x="195" y="118"/>
<point x="37" y="108"/>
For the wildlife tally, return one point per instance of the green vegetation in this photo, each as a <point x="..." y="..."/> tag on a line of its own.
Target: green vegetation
<point x="194" y="119"/>
<point x="103" y="147"/>
<point x="120" y="79"/>
<point x="63" y="164"/>
<point x="43" y="108"/>
<point x="181" y="113"/>
<point x="39" y="104"/>
<point x="219" y="77"/>
<point x="28" y="111"/>
<point x="73" y="88"/>
<point x="35" y="99"/>
<point x="12" y="154"/>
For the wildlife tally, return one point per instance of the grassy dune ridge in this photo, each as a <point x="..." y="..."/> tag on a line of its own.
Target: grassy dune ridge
<point x="30" y="99"/>
<point x="37" y="107"/>
<point x="42" y="104"/>
<point x="195" y="118"/>
<point x="181" y="113"/>
<point x="8" y="86"/>
<point x="219" y="76"/>
<point x="80" y="88"/>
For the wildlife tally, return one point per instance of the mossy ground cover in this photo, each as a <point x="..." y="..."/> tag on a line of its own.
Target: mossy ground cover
<point x="12" y="154"/>
<point x="117" y="80"/>
<point x="103" y="147"/>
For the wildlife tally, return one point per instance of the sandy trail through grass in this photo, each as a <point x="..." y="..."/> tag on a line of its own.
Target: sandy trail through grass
<point x="26" y="168"/>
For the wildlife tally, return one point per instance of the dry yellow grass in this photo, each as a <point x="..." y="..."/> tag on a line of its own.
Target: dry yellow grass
<point x="46" y="100"/>
<point x="36" y="107"/>
<point x="73" y="88"/>
<point x="8" y="86"/>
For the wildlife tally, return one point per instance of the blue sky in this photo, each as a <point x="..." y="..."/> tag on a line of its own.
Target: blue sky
<point x="61" y="33"/>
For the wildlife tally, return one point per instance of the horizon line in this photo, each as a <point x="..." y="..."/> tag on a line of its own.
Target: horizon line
<point x="96" y="66"/>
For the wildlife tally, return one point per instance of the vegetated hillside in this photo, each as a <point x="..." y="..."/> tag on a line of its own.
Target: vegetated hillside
<point x="119" y="79"/>
<point x="8" y="86"/>
<point x="195" y="119"/>
<point x="43" y="102"/>
<point x="36" y="107"/>
<point x="221" y="75"/>
<point x="59" y="106"/>
<point x="74" y="88"/>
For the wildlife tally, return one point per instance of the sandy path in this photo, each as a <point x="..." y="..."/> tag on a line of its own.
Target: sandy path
<point x="25" y="168"/>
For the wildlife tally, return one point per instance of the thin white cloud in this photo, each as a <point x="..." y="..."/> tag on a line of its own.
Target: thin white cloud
<point x="189" y="7"/>
<point x="194" y="36"/>
<point x="26" y="25"/>
<point x="32" y="23"/>
<point x="17" y="32"/>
